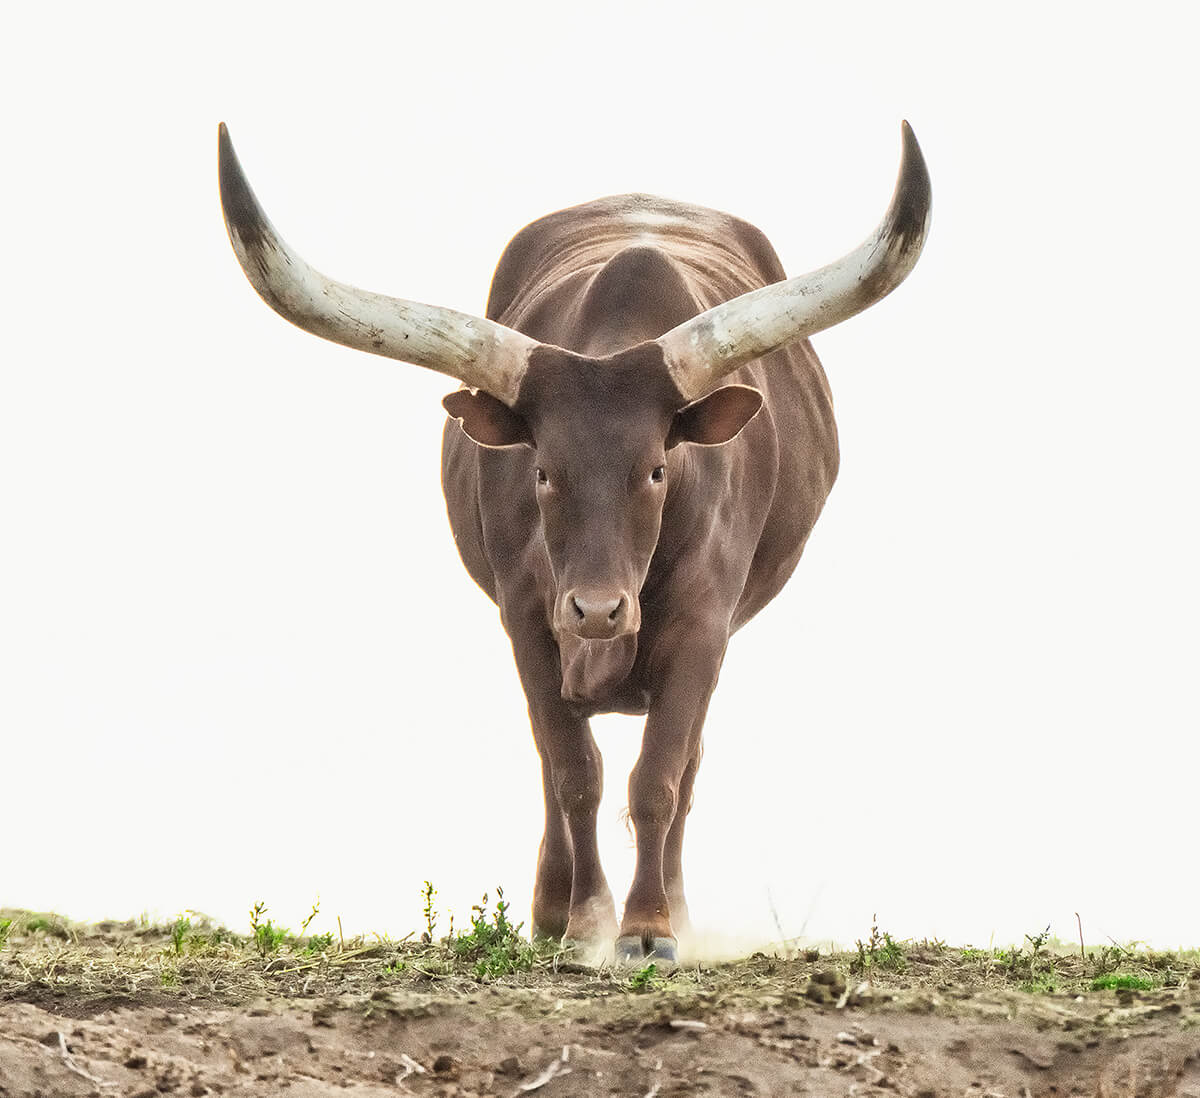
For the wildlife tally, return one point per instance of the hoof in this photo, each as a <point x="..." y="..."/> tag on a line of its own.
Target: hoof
<point x="634" y="950"/>
<point x="586" y="953"/>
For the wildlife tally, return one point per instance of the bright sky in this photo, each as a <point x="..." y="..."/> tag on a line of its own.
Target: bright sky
<point x="239" y="659"/>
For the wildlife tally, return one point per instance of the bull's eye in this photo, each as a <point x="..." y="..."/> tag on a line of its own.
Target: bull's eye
<point x="658" y="474"/>
<point x="540" y="473"/>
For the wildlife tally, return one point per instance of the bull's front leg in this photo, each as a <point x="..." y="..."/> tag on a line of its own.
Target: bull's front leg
<point x="571" y="897"/>
<point x="660" y="792"/>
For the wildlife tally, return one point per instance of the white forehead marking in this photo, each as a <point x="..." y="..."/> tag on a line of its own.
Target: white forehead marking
<point x="652" y="217"/>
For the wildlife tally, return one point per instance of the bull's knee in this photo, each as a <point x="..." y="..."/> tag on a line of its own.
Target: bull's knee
<point x="653" y="799"/>
<point x="578" y="790"/>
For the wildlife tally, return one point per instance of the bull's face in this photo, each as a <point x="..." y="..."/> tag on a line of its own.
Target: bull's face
<point x="602" y="435"/>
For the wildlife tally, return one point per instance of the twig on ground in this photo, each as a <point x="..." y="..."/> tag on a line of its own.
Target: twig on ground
<point x="69" y="1061"/>
<point x="411" y="1067"/>
<point x="339" y="959"/>
<point x="554" y="1068"/>
<point x="1082" y="955"/>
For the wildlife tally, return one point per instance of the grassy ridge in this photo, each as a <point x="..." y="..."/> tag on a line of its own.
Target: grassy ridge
<point x="192" y="958"/>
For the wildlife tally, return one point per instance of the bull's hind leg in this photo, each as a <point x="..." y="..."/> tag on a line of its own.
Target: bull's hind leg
<point x="673" y="848"/>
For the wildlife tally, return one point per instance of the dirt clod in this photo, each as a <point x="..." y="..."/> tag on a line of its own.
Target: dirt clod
<point x="445" y="1065"/>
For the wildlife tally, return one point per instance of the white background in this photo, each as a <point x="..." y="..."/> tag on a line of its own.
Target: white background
<point x="239" y="659"/>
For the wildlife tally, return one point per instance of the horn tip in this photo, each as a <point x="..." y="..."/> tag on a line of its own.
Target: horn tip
<point x="912" y="148"/>
<point x="243" y="216"/>
<point x="914" y="191"/>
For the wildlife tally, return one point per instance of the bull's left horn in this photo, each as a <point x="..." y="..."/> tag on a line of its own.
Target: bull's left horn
<point x="702" y="351"/>
<point x="479" y="352"/>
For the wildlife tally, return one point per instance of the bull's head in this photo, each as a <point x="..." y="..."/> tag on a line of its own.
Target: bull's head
<point x="600" y="432"/>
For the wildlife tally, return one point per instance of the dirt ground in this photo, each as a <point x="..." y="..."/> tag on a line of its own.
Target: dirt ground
<point x="127" y="1010"/>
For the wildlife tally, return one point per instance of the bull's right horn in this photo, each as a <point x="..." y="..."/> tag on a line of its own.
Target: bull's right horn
<point x="472" y="349"/>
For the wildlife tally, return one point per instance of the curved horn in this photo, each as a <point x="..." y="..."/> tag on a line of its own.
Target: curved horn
<point x="701" y="351"/>
<point x="479" y="352"/>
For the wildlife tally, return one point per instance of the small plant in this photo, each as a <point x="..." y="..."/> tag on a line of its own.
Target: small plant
<point x="644" y="979"/>
<point x="267" y="937"/>
<point x="318" y="943"/>
<point x="1041" y="965"/>
<point x="51" y="927"/>
<point x="309" y="918"/>
<point x="1114" y="981"/>
<point x="493" y="942"/>
<point x="5" y="927"/>
<point x="1038" y="941"/>
<point x="179" y="932"/>
<point x="1112" y="957"/>
<point x="428" y="893"/>
<point x="1034" y="970"/>
<point x="169" y="976"/>
<point x="881" y="951"/>
<point x="198" y="942"/>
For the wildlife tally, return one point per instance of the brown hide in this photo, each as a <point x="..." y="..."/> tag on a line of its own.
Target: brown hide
<point x="599" y="281"/>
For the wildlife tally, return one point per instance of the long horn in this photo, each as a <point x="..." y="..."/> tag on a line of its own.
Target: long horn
<point x="701" y="351"/>
<point x="479" y="352"/>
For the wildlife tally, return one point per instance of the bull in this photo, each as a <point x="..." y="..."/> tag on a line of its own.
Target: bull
<point x="643" y="440"/>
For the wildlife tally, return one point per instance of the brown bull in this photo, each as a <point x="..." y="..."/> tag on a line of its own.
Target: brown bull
<point x="625" y="509"/>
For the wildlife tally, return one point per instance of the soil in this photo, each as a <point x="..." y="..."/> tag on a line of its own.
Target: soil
<point x="119" y="1011"/>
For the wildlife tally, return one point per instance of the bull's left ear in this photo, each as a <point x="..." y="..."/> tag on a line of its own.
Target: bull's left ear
<point x="486" y="420"/>
<point x="716" y="418"/>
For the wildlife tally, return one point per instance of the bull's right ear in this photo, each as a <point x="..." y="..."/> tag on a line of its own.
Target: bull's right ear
<point x="487" y="420"/>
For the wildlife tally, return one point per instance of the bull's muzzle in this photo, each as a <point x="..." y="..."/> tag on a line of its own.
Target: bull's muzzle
<point x="597" y="614"/>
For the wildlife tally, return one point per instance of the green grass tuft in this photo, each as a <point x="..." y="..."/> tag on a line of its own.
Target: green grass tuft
<point x="645" y="979"/>
<point x="1112" y="981"/>
<point x="180" y="929"/>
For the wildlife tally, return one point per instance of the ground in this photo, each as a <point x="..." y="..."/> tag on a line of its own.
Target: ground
<point x="128" y="1009"/>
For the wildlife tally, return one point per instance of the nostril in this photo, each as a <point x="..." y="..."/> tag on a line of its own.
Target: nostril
<point x="596" y="615"/>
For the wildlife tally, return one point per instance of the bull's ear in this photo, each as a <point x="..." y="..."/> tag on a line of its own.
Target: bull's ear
<point x="486" y="420"/>
<point x="716" y="418"/>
